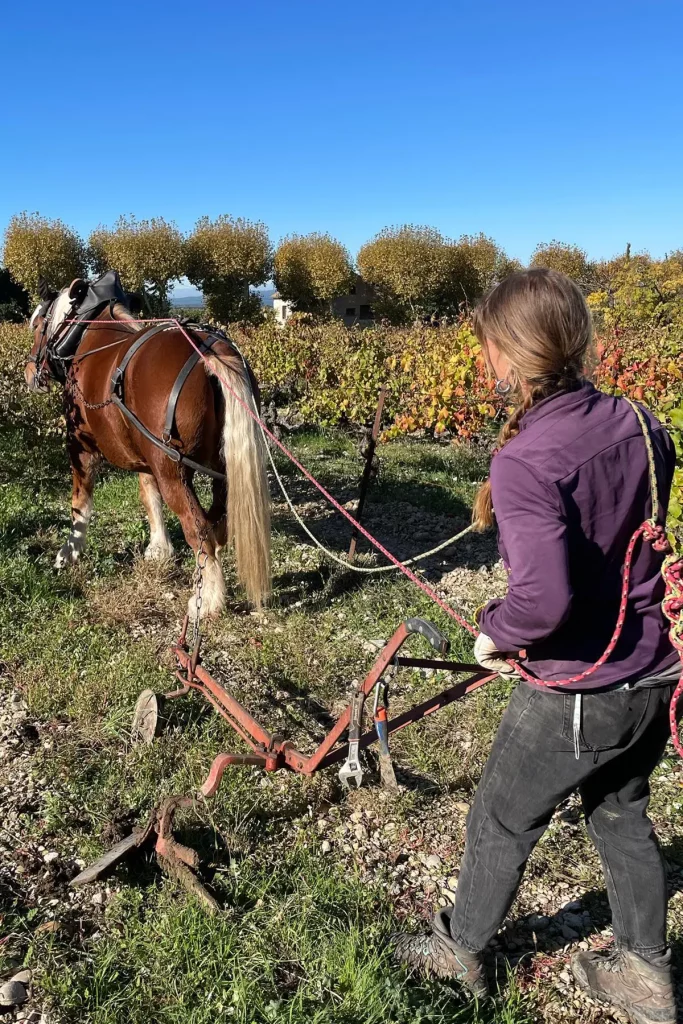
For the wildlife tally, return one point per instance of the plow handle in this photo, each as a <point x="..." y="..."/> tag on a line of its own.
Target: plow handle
<point x="428" y="630"/>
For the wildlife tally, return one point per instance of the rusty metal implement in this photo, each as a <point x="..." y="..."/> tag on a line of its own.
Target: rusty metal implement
<point x="343" y="743"/>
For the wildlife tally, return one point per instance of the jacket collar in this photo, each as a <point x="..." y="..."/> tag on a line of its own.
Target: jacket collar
<point x="560" y="401"/>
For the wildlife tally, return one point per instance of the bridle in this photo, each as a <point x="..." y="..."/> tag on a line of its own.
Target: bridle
<point x="41" y="359"/>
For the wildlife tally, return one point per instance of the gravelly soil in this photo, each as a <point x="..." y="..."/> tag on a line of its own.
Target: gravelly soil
<point x="411" y="845"/>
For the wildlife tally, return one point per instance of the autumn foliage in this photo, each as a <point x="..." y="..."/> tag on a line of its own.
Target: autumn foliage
<point x="332" y="374"/>
<point x="36" y="247"/>
<point x="436" y="376"/>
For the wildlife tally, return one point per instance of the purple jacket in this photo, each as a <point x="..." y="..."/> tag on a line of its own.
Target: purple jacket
<point x="568" y="492"/>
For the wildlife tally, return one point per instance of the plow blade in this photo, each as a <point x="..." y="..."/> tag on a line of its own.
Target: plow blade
<point x="106" y="862"/>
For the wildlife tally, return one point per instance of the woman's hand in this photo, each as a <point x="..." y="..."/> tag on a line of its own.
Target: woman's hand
<point x="490" y="658"/>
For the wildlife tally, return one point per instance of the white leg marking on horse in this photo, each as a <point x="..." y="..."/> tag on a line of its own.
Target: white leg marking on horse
<point x="160" y="547"/>
<point x="70" y="551"/>
<point x="213" y="592"/>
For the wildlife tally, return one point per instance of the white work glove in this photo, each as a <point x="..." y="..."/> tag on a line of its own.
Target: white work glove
<point x="490" y="658"/>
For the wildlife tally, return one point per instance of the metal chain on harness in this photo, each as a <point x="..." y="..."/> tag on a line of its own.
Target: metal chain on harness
<point x="74" y="387"/>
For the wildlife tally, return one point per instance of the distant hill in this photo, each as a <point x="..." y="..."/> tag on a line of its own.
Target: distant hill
<point x="191" y="299"/>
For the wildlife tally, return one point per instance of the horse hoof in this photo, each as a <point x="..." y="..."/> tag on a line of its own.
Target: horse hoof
<point x="66" y="556"/>
<point x="159" y="552"/>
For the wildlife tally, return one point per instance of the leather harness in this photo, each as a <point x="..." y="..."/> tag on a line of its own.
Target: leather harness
<point x="117" y="396"/>
<point x="55" y="354"/>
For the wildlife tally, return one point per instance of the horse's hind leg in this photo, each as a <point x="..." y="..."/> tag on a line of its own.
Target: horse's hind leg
<point x="217" y="514"/>
<point x="197" y="528"/>
<point x="160" y="546"/>
<point x="83" y="469"/>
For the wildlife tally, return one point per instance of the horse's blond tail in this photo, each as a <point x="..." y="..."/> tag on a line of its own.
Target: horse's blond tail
<point x="248" y="495"/>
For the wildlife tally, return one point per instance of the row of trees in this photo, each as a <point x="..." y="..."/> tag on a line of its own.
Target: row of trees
<point x="222" y="257"/>
<point x="415" y="271"/>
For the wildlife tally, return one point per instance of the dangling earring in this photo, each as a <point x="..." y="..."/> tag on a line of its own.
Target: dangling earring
<point x="503" y="387"/>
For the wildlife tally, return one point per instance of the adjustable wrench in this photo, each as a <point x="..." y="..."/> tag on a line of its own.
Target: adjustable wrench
<point x="351" y="770"/>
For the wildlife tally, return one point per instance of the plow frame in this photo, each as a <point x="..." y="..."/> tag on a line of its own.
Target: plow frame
<point x="271" y="752"/>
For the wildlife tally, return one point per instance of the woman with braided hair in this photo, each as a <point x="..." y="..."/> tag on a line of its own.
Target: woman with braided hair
<point x="569" y="485"/>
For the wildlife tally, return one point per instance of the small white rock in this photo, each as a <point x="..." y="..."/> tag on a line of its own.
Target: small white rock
<point x="325" y="846"/>
<point x="51" y="857"/>
<point x="97" y="899"/>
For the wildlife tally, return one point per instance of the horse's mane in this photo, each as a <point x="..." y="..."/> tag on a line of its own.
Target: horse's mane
<point x="121" y="312"/>
<point x="60" y="310"/>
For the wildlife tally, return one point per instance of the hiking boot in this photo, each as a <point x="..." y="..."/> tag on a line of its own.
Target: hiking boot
<point x="642" y="988"/>
<point x="438" y="954"/>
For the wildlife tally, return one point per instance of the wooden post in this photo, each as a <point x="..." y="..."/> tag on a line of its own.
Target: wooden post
<point x="367" y="469"/>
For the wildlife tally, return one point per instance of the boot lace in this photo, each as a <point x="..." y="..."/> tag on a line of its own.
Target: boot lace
<point x="612" y="961"/>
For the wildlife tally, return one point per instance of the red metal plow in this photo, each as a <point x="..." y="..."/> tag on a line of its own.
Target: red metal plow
<point x="342" y="743"/>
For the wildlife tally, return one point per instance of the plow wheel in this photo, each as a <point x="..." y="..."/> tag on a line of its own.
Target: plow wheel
<point x="146" y="724"/>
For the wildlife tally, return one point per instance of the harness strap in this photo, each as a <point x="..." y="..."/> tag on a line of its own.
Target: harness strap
<point x="172" y="453"/>
<point x="118" y="375"/>
<point x="205" y="344"/>
<point x="118" y="398"/>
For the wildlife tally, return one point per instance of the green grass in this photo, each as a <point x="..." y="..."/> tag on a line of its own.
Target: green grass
<point x="303" y="937"/>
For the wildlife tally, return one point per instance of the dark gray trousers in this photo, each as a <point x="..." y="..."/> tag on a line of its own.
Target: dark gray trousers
<point x="531" y="769"/>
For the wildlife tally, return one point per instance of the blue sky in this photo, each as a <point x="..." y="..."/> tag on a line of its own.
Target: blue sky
<point x="527" y="120"/>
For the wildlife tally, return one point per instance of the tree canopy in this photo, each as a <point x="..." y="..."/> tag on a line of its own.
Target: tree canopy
<point x="311" y="270"/>
<point x="636" y="290"/>
<point x="148" y="254"/>
<point x="224" y="257"/>
<point x="417" y="271"/>
<point x="35" y="247"/>
<point x="568" y="259"/>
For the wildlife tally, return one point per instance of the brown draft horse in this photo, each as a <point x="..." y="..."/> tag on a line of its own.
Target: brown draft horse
<point x="212" y="428"/>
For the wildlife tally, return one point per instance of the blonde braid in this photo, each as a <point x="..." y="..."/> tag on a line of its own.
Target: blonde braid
<point x="482" y="511"/>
